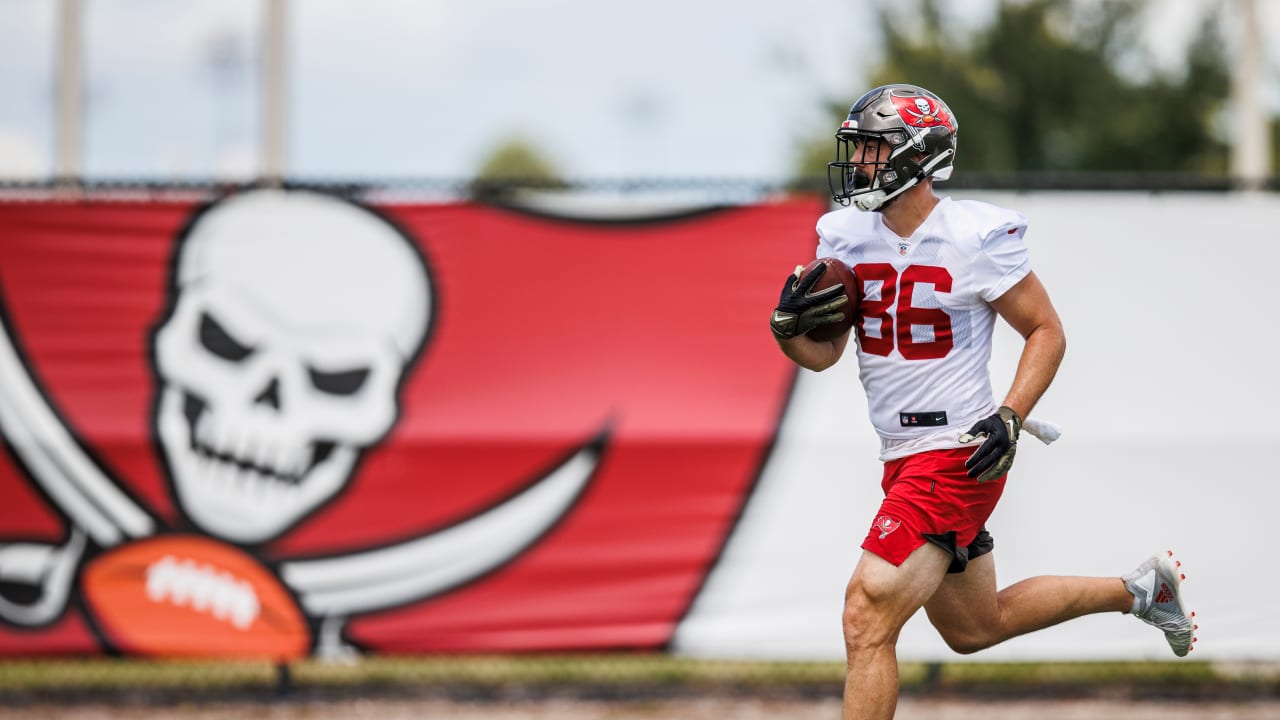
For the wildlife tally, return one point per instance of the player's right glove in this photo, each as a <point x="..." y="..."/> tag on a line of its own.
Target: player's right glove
<point x="800" y="310"/>
<point x="994" y="456"/>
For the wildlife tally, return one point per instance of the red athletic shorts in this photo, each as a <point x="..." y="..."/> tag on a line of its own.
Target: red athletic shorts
<point x="929" y="498"/>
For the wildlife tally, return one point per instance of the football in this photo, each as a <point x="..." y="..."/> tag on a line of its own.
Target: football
<point x="837" y="273"/>
<point x="192" y="596"/>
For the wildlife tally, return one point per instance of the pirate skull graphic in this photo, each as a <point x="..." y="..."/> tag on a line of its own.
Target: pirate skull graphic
<point x="294" y="319"/>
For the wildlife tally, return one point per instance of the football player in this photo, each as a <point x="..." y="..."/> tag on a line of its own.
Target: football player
<point x="934" y="275"/>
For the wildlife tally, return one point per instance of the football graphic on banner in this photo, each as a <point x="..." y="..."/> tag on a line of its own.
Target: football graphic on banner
<point x="186" y="595"/>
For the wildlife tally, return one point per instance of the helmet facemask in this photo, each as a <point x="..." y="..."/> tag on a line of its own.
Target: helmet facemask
<point x="871" y="168"/>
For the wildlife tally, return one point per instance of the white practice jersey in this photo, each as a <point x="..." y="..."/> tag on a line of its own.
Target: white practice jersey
<point x="924" y="324"/>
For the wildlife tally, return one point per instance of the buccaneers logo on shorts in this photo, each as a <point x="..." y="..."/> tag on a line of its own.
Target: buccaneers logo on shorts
<point x="886" y="525"/>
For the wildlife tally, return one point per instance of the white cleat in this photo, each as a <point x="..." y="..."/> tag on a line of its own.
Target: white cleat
<point x="1157" y="600"/>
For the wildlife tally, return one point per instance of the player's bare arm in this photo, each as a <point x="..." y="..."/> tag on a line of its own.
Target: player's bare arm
<point x="813" y="354"/>
<point x="1028" y="310"/>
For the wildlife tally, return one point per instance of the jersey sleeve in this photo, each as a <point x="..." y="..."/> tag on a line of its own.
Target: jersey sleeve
<point x="1004" y="259"/>
<point x="826" y="248"/>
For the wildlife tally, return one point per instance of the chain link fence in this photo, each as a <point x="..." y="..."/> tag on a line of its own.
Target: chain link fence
<point x="722" y="190"/>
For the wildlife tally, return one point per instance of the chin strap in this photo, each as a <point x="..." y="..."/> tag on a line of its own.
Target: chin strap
<point x="876" y="199"/>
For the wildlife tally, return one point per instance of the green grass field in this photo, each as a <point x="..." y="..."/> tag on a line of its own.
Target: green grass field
<point x="613" y="673"/>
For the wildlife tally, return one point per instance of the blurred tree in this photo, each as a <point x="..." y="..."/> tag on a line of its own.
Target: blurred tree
<point x="1056" y="85"/>
<point x="1275" y="142"/>
<point x="515" y="162"/>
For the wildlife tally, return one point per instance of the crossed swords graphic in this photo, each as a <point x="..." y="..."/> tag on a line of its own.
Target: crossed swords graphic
<point x="331" y="589"/>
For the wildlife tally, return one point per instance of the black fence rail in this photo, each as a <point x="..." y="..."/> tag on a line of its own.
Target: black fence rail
<point x="716" y="189"/>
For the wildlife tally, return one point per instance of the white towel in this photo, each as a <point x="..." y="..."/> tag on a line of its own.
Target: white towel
<point x="1043" y="430"/>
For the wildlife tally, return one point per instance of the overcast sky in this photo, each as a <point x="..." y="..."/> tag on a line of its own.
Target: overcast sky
<point x="424" y="88"/>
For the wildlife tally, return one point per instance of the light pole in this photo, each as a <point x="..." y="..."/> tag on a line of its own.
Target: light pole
<point x="68" y="168"/>
<point x="1250" y="141"/>
<point x="274" y="88"/>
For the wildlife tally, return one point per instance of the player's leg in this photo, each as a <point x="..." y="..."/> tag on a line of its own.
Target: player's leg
<point x="971" y="615"/>
<point x="908" y="550"/>
<point x="879" y="600"/>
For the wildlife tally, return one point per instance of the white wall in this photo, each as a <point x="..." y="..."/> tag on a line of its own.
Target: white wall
<point x="1170" y="407"/>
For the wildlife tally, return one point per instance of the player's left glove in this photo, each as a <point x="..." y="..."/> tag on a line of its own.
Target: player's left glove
<point x="800" y="310"/>
<point x="995" y="456"/>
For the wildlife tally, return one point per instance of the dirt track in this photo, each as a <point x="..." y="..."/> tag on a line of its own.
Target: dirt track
<point x="686" y="709"/>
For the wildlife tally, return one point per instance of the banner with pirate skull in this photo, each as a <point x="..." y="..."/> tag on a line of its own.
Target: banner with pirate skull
<point x="286" y="423"/>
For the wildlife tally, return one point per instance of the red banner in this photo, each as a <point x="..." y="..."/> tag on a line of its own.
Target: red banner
<point x="286" y="423"/>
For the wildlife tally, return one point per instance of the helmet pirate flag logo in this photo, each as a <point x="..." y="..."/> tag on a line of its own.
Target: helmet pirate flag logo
<point x="922" y="112"/>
